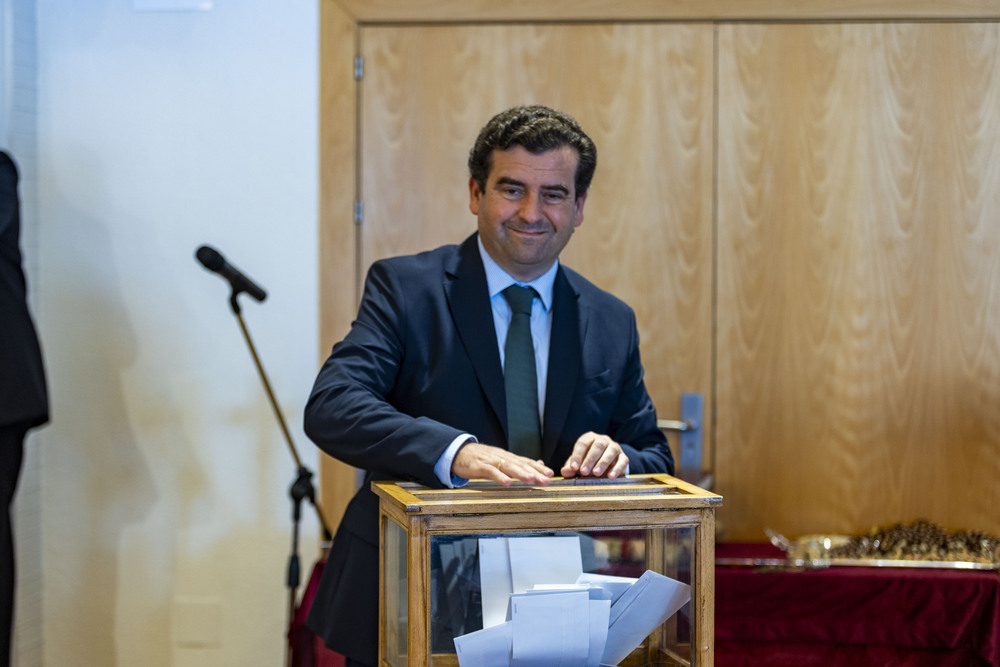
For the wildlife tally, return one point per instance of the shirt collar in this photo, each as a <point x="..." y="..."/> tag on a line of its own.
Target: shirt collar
<point x="497" y="280"/>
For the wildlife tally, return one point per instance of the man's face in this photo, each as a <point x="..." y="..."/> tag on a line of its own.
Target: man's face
<point x="528" y="210"/>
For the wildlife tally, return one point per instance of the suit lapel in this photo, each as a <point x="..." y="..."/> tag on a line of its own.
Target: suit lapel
<point x="465" y="287"/>
<point x="565" y="354"/>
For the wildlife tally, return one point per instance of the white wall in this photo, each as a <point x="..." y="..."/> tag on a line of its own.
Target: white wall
<point x="165" y="510"/>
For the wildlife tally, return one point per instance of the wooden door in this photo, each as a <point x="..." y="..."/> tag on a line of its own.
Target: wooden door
<point x="805" y="217"/>
<point x="859" y="276"/>
<point x="643" y="92"/>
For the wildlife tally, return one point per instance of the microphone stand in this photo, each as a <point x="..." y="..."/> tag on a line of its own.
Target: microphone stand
<point x="301" y="489"/>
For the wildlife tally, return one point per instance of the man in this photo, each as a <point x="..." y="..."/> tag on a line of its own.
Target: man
<point x="417" y="388"/>
<point x="23" y="397"/>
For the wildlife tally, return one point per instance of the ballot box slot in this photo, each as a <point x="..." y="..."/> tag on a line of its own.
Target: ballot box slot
<point x="518" y="493"/>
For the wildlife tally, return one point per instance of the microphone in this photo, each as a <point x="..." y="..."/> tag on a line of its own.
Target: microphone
<point x="213" y="261"/>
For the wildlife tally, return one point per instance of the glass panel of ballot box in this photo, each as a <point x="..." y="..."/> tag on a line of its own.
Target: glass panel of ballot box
<point x="582" y="572"/>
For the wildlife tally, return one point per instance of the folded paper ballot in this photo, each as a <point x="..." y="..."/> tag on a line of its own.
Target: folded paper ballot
<point x="647" y="604"/>
<point x="565" y="617"/>
<point x="594" y="620"/>
<point x="514" y="564"/>
<point x="489" y="646"/>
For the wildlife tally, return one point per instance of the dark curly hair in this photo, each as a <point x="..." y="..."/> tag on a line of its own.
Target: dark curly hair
<point x="538" y="129"/>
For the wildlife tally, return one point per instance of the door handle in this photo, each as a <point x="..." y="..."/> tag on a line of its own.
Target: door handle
<point x="690" y="428"/>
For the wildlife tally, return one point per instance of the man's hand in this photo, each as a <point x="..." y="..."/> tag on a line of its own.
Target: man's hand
<point x="597" y="456"/>
<point x="475" y="460"/>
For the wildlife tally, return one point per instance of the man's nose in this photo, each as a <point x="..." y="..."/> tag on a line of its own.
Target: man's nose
<point x="531" y="208"/>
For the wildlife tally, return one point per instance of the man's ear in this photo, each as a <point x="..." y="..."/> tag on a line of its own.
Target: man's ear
<point x="475" y="196"/>
<point x="578" y="205"/>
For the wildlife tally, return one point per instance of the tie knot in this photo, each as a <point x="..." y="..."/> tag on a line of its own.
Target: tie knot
<point x="519" y="298"/>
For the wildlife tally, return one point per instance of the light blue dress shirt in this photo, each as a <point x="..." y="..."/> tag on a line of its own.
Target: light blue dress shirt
<point x="497" y="280"/>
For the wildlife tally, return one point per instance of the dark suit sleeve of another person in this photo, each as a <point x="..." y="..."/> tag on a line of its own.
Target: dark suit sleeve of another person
<point x="23" y="394"/>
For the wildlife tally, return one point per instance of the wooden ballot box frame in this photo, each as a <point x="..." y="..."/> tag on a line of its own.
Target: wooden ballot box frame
<point x="410" y="515"/>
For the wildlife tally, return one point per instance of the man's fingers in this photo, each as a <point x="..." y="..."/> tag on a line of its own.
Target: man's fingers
<point x="525" y="470"/>
<point x="574" y="463"/>
<point x="478" y="461"/>
<point x="495" y="473"/>
<point x="595" y="455"/>
<point x="618" y="468"/>
<point x="596" y="446"/>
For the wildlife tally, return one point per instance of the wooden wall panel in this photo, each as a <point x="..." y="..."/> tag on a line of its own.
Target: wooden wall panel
<point x="857" y="179"/>
<point x="644" y="92"/>
<point x="859" y="274"/>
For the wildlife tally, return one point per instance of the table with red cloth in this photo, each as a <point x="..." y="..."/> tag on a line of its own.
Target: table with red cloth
<point x="851" y="615"/>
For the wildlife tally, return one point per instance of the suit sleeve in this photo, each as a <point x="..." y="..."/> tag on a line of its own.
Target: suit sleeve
<point x="634" y="419"/>
<point x="8" y="192"/>
<point x="350" y="413"/>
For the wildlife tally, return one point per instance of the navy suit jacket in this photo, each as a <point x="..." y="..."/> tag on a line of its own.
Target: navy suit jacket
<point x="421" y="365"/>
<point x="23" y="395"/>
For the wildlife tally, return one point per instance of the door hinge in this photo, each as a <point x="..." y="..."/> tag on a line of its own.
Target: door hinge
<point x="359" y="212"/>
<point x="359" y="67"/>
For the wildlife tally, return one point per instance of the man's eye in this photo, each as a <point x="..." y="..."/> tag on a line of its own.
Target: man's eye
<point x="554" y="197"/>
<point x="510" y="193"/>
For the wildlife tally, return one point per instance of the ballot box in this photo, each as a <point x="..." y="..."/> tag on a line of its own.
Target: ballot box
<point x="601" y="571"/>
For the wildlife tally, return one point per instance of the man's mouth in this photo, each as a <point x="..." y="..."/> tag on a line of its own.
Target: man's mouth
<point x="530" y="231"/>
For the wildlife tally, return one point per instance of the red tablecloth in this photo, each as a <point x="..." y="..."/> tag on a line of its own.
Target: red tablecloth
<point x="853" y="616"/>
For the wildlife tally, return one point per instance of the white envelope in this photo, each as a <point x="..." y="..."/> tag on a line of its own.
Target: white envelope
<point x="550" y="629"/>
<point x="641" y="609"/>
<point x="494" y="579"/>
<point x="544" y="560"/>
<point x="516" y="564"/>
<point x="489" y="646"/>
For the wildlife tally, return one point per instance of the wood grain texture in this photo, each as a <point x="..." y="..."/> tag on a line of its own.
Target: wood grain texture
<point x="644" y="92"/>
<point x="858" y="214"/>
<point x="450" y="11"/>
<point x="338" y="266"/>
<point x="859" y="274"/>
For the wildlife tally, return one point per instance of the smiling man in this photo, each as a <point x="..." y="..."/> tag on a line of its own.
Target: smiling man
<point x="433" y="384"/>
<point x="527" y="209"/>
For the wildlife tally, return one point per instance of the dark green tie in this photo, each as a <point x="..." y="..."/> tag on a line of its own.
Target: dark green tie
<point x="523" y="428"/>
